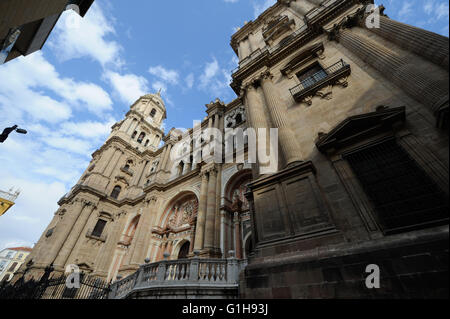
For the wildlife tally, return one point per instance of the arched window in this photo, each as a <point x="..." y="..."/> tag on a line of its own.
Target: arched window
<point x="146" y="142"/>
<point x="141" y="137"/>
<point x="153" y="113"/>
<point x="126" y="167"/>
<point x="134" y="134"/>
<point x="116" y="192"/>
<point x="238" y="119"/>
<point x="184" y="251"/>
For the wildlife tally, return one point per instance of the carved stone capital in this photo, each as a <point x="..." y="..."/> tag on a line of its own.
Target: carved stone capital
<point x="212" y="171"/>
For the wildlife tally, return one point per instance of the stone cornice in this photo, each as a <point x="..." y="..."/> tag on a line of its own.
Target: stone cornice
<point x="269" y="57"/>
<point x="128" y="147"/>
<point x="103" y="197"/>
<point x="253" y="25"/>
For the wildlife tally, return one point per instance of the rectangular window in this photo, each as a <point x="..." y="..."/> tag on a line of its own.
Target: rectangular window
<point x="13" y="266"/>
<point x="312" y="75"/>
<point x="404" y="196"/>
<point x="99" y="227"/>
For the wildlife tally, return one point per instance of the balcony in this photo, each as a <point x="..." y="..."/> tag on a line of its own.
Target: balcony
<point x="312" y="85"/>
<point x="179" y="279"/>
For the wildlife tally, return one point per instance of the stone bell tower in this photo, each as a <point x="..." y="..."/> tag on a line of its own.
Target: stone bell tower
<point x="142" y="124"/>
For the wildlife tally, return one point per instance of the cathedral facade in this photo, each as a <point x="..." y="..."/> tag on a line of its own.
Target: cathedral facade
<point x="360" y="104"/>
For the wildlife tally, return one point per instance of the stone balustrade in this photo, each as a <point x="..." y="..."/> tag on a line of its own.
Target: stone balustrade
<point x="196" y="273"/>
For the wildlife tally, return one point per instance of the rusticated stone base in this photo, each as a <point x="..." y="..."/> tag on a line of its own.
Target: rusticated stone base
<point x="412" y="265"/>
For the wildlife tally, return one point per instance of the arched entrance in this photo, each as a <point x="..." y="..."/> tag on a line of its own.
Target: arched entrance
<point x="176" y="228"/>
<point x="238" y="214"/>
<point x="184" y="250"/>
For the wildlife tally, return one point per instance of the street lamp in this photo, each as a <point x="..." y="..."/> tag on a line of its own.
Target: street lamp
<point x="8" y="130"/>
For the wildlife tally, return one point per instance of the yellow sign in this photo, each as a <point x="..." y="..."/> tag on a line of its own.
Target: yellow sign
<point x="5" y="205"/>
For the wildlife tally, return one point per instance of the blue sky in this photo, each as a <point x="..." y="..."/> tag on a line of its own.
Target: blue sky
<point x="90" y="71"/>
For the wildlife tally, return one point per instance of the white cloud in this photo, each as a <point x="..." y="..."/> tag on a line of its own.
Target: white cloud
<point x="27" y="83"/>
<point x="23" y="224"/>
<point x="166" y="75"/>
<point x="76" y="37"/>
<point x="259" y="6"/>
<point x="215" y="79"/>
<point x="190" y="81"/>
<point x="406" y="10"/>
<point x="129" y="87"/>
<point x="87" y="129"/>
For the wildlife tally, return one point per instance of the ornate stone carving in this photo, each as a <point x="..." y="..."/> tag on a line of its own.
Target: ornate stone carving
<point x="236" y="117"/>
<point x="183" y="214"/>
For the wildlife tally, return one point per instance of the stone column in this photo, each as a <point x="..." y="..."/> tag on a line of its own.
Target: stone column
<point x="192" y="239"/>
<point x="222" y="232"/>
<point x="211" y="210"/>
<point x="107" y="253"/>
<point x="140" y="248"/>
<point x="143" y="173"/>
<point x="126" y="125"/>
<point x="237" y="236"/>
<point x="217" y="228"/>
<point x="161" y="159"/>
<point x="278" y="114"/>
<point x="133" y="127"/>
<point x="106" y="159"/>
<point x="74" y="235"/>
<point x="137" y="175"/>
<point x="425" y="87"/>
<point x="112" y="164"/>
<point x="62" y="230"/>
<point x="201" y="215"/>
<point x="167" y="159"/>
<point x="429" y="45"/>
<point x="256" y="115"/>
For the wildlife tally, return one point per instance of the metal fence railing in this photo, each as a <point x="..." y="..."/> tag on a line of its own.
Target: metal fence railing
<point x="55" y="288"/>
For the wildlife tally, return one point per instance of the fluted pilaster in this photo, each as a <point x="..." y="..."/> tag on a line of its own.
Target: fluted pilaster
<point x="211" y="210"/>
<point x="144" y="225"/>
<point x="107" y="253"/>
<point x="278" y="115"/>
<point x="429" y="45"/>
<point x="62" y="230"/>
<point x="167" y="157"/>
<point x="201" y="215"/>
<point x="67" y="248"/>
<point x="106" y="159"/>
<point x="237" y="236"/>
<point x="113" y="162"/>
<point x="429" y="89"/>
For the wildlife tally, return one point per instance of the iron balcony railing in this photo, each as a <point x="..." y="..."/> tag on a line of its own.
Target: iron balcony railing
<point x="320" y="79"/>
<point x="197" y="272"/>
